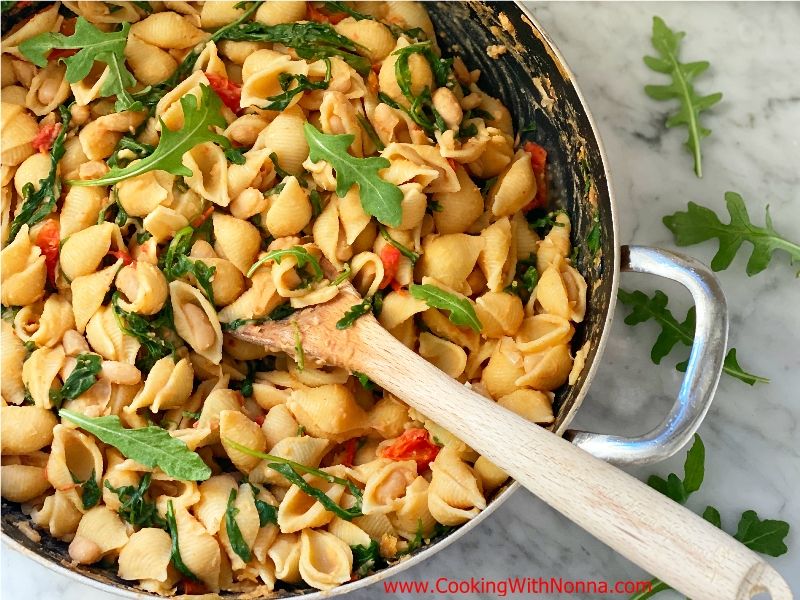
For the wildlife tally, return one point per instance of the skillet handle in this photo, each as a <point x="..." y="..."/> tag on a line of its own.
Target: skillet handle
<point x="702" y="372"/>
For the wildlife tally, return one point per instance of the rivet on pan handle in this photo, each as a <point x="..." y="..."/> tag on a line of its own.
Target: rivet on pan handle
<point x="702" y="372"/>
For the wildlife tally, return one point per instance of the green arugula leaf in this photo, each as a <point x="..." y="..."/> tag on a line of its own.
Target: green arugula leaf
<point x="267" y="513"/>
<point x="235" y="156"/>
<point x="176" y="262"/>
<point x="421" y="109"/>
<point x="409" y="254"/>
<point x="379" y="198"/>
<point x="280" y="312"/>
<point x="311" y="41"/>
<point x="90" y="492"/>
<point x="149" y="333"/>
<point x="151" y="446"/>
<point x="593" y="238"/>
<point x="303" y="257"/>
<point x="370" y="131"/>
<point x="93" y="45"/>
<point x="644" y="308"/>
<point x="542" y="223"/>
<point x="343" y="276"/>
<point x="37" y="204"/>
<point x="199" y="118"/>
<point x="191" y="415"/>
<point x="526" y="278"/>
<point x="292" y="471"/>
<point x="175" y="554"/>
<point x="416" y="541"/>
<point x="80" y="379"/>
<point x="10" y="312"/>
<point x="354" y="313"/>
<point x="667" y="43"/>
<point x="461" y="311"/>
<point x="245" y="386"/>
<point x="365" y="381"/>
<point x="302" y="84"/>
<point x="766" y="537"/>
<point x="699" y="224"/>
<point x="366" y="558"/>
<point x="134" y="507"/>
<point x="238" y="544"/>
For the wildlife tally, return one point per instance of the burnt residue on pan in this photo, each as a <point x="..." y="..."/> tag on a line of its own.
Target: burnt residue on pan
<point x="530" y="80"/>
<point x="528" y="77"/>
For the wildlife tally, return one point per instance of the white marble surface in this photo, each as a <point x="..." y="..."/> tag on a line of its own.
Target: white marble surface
<point x="750" y="433"/>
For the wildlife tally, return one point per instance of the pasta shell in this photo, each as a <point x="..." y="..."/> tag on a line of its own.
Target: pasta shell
<point x="209" y="172"/>
<point x="279" y="423"/>
<point x="388" y="417"/>
<point x="25" y="429"/>
<point x="285" y="137"/>
<point x="328" y="411"/>
<point x="167" y="30"/>
<point x="387" y="485"/>
<point x="450" y="259"/>
<point x="146" y="555"/>
<point x="80" y="209"/>
<point x="168" y="385"/>
<point x="305" y="450"/>
<point x="22" y="271"/>
<point x="543" y="331"/>
<point x="103" y="526"/>
<point x="39" y="373"/>
<point x="285" y="554"/>
<point x="262" y="84"/>
<point x="412" y="514"/>
<point x="88" y="292"/>
<point x="214" y="493"/>
<point x="548" y="369"/>
<point x="18" y="130"/>
<point x="534" y="405"/>
<point x="141" y="195"/>
<point x="22" y="483"/>
<point x="286" y="11"/>
<point x="325" y="560"/>
<point x="495" y="254"/>
<point x="459" y="209"/>
<point x="48" y="89"/>
<point x="144" y="286"/>
<point x="556" y="243"/>
<point x="247" y="520"/>
<point x="298" y="511"/>
<point x="12" y="355"/>
<point x="150" y="64"/>
<point x="236" y="427"/>
<point x="491" y="476"/>
<point x="500" y="313"/>
<point x="196" y="321"/>
<point x="107" y="339"/>
<point x="454" y="496"/>
<point x="83" y="251"/>
<point x="504" y="369"/>
<point x="163" y="223"/>
<point x="348" y="532"/>
<point x="290" y="211"/>
<point x="199" y="550"/>
<point x="236" y="240"/>
<point x="398" y="308"/>
<point x="73" y="455"/>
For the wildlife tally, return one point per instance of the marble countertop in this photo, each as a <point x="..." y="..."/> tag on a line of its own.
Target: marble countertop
<point x="752" y="454"/>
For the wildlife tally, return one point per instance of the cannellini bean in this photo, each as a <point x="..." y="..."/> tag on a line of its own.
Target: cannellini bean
<point x="84" y="551"/>
<point x="121" y="373"/>
<point x="446" y="103"/>
<point x="74" y="343"/>
<point x="204" y="335"/>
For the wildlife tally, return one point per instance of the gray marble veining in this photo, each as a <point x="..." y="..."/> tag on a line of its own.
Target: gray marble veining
<point x="751" y="434"/>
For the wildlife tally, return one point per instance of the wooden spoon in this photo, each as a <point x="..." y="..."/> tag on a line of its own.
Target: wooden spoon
<point x="651" y="530"/>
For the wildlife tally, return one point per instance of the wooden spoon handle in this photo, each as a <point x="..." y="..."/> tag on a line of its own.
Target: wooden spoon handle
<point x="646" y="527"/>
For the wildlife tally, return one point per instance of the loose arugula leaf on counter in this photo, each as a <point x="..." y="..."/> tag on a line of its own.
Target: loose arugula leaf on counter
<point x="37" y="204"/>
<point x="151" y="446"/>
<point x="311" y="41"/>
<point x="176" y="262"/>
<point x="175" y="554"/>
<point x="379" y="198"/>
<point x="644" y="308"/>
<point x="80" y="379"/>
<point x="667" y="44"/>
<point x="199" y="118"/>
<point x="699" y="224"/>
<point x="679" y="489"/>
<point x="302" y="84"/>
<point x="303" y="257"/>
<point x="292" y="471"/>
<point x="238" y="545"/>
<point x="461" y="311"/>
<point x="766" y="537"/>
<point x="92" y="45"/>
<point x="134" y="507"/>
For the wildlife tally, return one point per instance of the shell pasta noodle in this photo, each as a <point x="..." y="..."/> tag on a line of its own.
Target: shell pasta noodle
<point x="174" y="170"/>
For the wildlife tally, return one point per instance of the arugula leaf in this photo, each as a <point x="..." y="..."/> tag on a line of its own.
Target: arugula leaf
<point x="644" y="308"/>
<point x="176" y="262"/>
<point x="699" y="224"/>
<point x="355" y="312"/>
<point x="366" y="558"/>
<point x="128" y="143"/>
<point x="82" y="377"/>
<point x="593" y="240"/>
<point x="461" y="311"/>
<point x="311" y="41"/>
<point x="409" y="254"/>
<point x="303" y="257"/>
<point x="175" y="554"/>
<point x="417" y="540"/>
<point x="541" y="223"/>
<point x="292" y="470"/>
<point x="679" y="489"/>
<point x="245" y="386"/>
<point x="343" y="276"/>
<point x="267" y="513"/>
<point x="151" y="446"/>
<point x="370" y="131"/>
<point x="235" y="156"/>
<point x="37" y="204"/>
<point x="299" y="353"/>
<point x="198" y="119"/>
<point x="766" y="537"/>
<point x="365" y="381"/>
<point x="527" y="276"/>
<point x="93" y="45"/>
<point x="379" y="198"/>
<point x="10" y="312"/>
<point x="667" y="43"/>
<point x="302" y="84"/>
<point x="421" y="109"/>
<point x="153" y="345"/>
<point x="90" y="492"/>
<point x="280" y="312"/>
<point x="191" y="415"/>
<point x="238" y="544"/>
<point x="134" y="507"/>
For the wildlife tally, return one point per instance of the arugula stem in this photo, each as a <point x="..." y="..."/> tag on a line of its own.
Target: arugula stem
<point x="694" y="132"/>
